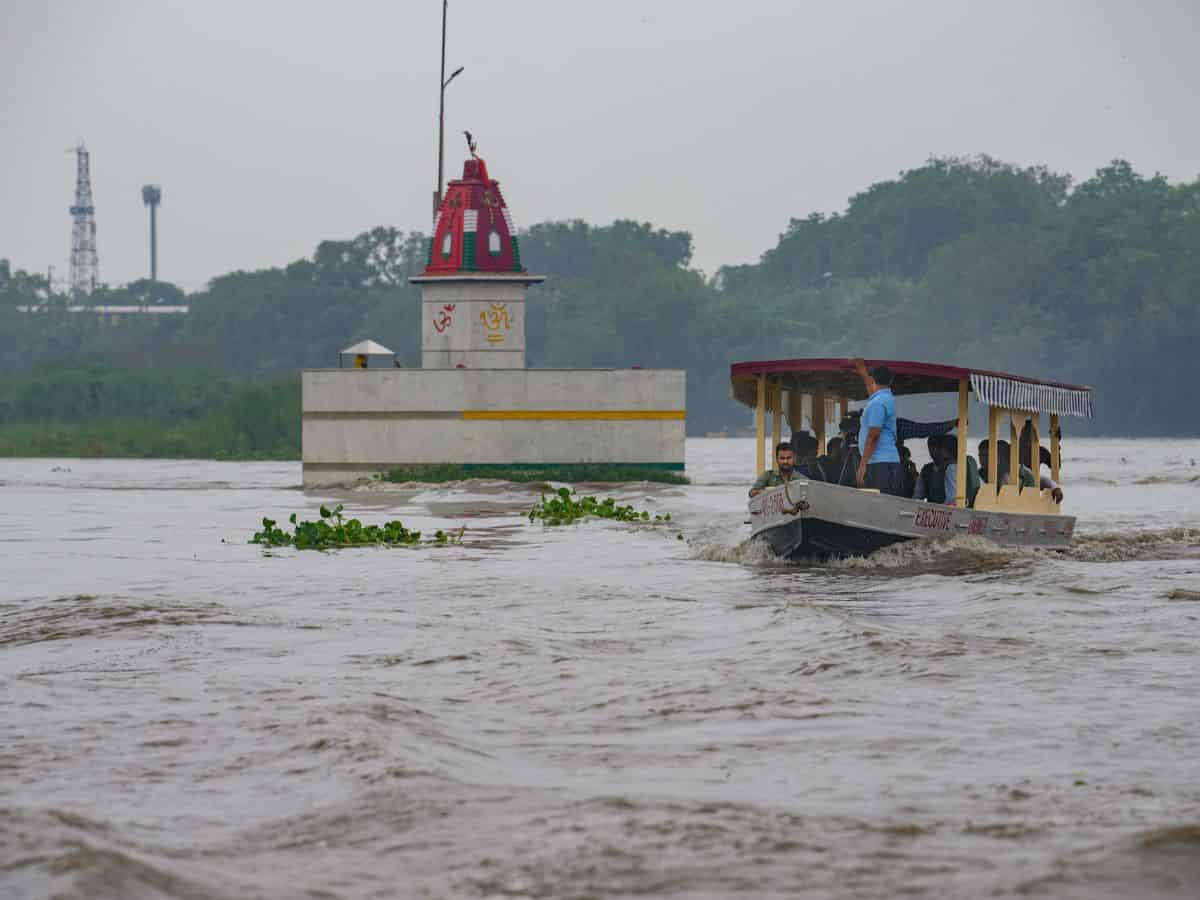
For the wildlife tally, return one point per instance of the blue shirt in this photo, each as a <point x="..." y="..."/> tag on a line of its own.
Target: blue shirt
<point x="880" y="412"/>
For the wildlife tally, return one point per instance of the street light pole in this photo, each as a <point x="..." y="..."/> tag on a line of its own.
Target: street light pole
<point x="437" y="195"/>
<point x="443" y="81"/>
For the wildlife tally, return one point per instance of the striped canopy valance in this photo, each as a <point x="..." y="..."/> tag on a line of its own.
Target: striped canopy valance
<point x="1011" y="393"/>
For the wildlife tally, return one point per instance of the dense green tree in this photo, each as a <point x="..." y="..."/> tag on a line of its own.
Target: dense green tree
<point x="20" y="288"/>
<point x="145" y="292"/>
<point x="268" y="323"/>
<point x="960" y="260"/>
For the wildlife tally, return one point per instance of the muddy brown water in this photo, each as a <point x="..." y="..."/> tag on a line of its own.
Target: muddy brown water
<point x="592" y="711"/>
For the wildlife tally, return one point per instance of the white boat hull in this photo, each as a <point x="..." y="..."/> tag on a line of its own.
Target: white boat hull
<point x="805" y="519"/>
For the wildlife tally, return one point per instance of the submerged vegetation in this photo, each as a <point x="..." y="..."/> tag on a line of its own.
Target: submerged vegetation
<point x="332" y="531"/>
<point x="564" y="508"/>
<point x="572" y="473"/>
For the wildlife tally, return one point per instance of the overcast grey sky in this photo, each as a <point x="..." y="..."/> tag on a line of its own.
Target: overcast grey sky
<point x="273" y="125"/>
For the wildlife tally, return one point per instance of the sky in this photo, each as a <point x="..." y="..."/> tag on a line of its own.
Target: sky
<point x="275" y="124"/>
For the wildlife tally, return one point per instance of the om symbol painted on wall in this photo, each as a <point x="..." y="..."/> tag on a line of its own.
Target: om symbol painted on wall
<point x="444" y="318"/>
<point x="496" y="321"/>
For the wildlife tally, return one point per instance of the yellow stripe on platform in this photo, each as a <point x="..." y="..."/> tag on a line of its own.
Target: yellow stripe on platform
<point x="576" y="414"/>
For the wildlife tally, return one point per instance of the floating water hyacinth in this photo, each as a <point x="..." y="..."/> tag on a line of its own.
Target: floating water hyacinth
<point x="332" y="531"/>
<point x="563" y="508"/>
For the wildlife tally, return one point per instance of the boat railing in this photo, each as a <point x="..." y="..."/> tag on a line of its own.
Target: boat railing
<point x="774" y="396"/>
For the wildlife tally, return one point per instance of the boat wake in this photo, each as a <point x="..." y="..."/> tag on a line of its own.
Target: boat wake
<point x="962" y="555"/>
<point x="952" y="556"/>
<point x="748" y="553"/>
<point x="967" y="555"/>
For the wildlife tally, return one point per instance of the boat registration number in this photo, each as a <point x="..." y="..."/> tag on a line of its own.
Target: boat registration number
<point x="774" y="504"/>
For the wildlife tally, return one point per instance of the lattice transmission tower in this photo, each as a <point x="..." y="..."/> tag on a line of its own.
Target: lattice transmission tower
<point x="85" y="263"/>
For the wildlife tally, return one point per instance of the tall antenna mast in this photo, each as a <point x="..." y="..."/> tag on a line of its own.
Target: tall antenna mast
<point x="85" y="263"/>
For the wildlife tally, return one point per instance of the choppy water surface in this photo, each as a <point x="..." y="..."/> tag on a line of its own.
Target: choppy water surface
<point x="594" y="711"/>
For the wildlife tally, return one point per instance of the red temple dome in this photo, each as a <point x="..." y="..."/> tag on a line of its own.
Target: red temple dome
<point x="473" y="230"/>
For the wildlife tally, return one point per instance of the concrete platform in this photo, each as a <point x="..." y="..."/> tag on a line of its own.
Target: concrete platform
<point x="357" y="423"/>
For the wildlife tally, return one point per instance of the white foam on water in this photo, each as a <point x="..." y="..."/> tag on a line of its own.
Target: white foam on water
<point x="962" y="553"/>
<point x="924" y="554"/>
<point x="748" y="553"/>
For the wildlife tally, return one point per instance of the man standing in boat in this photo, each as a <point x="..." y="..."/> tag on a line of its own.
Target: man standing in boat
<point x="880" y="466"/>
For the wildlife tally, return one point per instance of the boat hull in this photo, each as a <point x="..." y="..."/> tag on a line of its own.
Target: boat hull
<point x="809" y="519"/>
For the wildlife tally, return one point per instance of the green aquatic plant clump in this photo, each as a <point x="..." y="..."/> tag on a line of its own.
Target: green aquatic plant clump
<point x="564" y="507"/>
<point x="332" y="531"/>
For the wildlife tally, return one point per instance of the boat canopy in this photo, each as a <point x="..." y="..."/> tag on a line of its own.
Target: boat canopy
<point x="837" y="377"/>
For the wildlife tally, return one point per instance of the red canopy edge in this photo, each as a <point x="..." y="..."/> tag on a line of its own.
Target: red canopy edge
<point x="898" y="366"/>
<point x="838" y="376"/>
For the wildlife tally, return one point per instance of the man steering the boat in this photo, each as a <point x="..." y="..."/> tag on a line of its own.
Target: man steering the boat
<point x="785" y="458"/>
<point x="880" y="466"/>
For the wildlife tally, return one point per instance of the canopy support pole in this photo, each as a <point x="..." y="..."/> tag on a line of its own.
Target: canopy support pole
<point x="993" y="448"/>
<point x="960" y="488"/>
<point x="760" y="426"/>
<point x="776" y="422"/>
<point x="1055" y="448"/>
<point x="1014" y="449"/>
<point x="819" y="420"/>
<point x="1035" y="449"/>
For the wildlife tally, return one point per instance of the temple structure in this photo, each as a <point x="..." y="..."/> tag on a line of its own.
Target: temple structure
<point x="473" y="289"/>
<point x="473" y="402"/>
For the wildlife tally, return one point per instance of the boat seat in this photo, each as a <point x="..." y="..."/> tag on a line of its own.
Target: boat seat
<point x="1012" y="499"/>
<point x="986" y="499"/>
<point x="1046" y="505"/>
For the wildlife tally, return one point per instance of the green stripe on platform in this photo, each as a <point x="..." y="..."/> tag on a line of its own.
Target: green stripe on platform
<point x="652" y="467"/>
<point x="616" y="473"/>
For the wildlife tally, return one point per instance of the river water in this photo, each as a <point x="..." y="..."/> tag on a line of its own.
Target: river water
<point x="590" y="711"/>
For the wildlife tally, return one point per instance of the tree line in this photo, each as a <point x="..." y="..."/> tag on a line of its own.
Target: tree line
<point x="959" y="260"/>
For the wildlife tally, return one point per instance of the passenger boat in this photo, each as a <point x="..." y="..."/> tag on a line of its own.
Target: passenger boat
<point x="807" y="518"/>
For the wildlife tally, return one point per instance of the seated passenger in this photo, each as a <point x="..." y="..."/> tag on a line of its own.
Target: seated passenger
<point x="804" y="448"/>
<point x="831" y="467"/>
<point x="1026" y="449"/>
<point x="931" y="483"/>
<point x="1003" y="452"/>
<point x="950" y="454"/>
<point x="910" y="470"/>
<point x="770" y="478"/>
